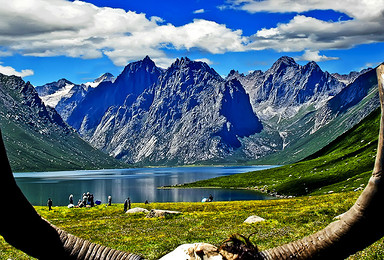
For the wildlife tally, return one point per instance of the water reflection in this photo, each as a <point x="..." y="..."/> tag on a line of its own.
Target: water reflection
<point x="139" y="184"/>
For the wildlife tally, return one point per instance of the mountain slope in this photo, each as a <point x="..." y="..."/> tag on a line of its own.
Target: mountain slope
<point x="190" y="114"/>
<point x="302" y="109"/>
<point x="36" y="137"/>
<point x="344" y="165"/>
<point x="64" y="95"/>
<point x="320" y="127"/>
<point x="286" y="87"/>
<point x="135" y="78"/>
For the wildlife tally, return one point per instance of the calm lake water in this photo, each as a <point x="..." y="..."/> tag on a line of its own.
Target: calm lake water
<point x="139" y="184"/>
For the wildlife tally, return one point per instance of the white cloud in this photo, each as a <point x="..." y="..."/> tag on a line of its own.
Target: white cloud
<point x="354" y="8"/>
<point x="310" y="55"/>
<point x="78" y="29"/>
<point x="5" y="53"/>
<point x="208" y="61"/>
<point x="205" y="35"/>
<point x="200" y="11"/>
<point x="7" y="70"/>
<point x="303" y="32"/>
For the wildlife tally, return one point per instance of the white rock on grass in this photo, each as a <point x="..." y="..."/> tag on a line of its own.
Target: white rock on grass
<point x="155" y="213"/>
<point x="137" y="210"/>
<point x="197" y="251"/>
<point x="253" y="219"/>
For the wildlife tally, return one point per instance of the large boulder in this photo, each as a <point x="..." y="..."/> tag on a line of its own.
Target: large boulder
<point x="137" y="210"/>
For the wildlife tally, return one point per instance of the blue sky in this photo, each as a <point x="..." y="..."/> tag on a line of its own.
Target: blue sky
<point x="45" y="40"/>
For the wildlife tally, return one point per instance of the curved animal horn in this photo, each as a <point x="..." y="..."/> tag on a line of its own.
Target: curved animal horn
<point x="22" y="227"/>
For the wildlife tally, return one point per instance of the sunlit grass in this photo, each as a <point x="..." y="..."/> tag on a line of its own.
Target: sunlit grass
<point x="286" y="220"/>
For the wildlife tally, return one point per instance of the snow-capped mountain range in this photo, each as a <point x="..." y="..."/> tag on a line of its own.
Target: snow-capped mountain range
<point x="37" y="138"/>
<point x="286" y="87"/>
<point x="64" y="95"/>
<point x="189" y="114"/>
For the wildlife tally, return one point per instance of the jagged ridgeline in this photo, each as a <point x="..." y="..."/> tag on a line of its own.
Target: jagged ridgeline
<point x="37" y="138"/>
<point x="184" y="114"/>
<point x="189" y="114"/>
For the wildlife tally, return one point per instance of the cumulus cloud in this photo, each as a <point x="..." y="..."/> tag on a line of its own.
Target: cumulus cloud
<point x="205" y="35"/>
<point x="208" y="61"/>
<point x="79" y="29"/>
<point x="314" y="56"/>
<point x="354" y="8"/>
<point x="304" y="32"/>
<point x="7" y="70"/>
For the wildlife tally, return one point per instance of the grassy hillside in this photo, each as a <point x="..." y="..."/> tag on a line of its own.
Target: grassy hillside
<point x="343" y="165"/>
<point x="310" y="144"/>
<point x="36" y="137"/>
<point x="30" y="151"/>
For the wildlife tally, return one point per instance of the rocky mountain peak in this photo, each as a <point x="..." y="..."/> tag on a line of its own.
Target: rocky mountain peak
<point x="255" y="73"/>
<point x="234" y="74"/>
<point x="183" y="61"/>
<point x="63" y="82"/>
<point x="349" y="78"/>
<point x="193" y="70"/>
<point x="28" y="106"/>
<point x="311" y="66"/>
<point x="143" y="65"/>
<point x="105" y="77"/>
<point x="53" y="87"/>
<point x="283" y="63"/>
<point x="147" y="59"/>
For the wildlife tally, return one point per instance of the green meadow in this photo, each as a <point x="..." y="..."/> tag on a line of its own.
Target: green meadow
<point x="286" y="220"/>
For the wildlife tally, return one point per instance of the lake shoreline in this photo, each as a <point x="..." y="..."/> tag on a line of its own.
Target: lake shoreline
<point x="140" y="184"/>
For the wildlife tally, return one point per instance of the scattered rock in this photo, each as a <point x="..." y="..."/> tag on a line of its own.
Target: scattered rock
<point x="253" y="219"/>
<point x="155" y="213"/>
<point x="197" y="251"/>
<point x="137" y="210"/>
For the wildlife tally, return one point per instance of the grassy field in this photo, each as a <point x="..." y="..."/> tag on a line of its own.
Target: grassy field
<point x="286" y="219"/>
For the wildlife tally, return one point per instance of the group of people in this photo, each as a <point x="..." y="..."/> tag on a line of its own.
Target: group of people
<point x="87" y="200"/>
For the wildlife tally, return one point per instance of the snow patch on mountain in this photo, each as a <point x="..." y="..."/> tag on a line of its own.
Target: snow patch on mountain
<point x="107" y="77"/>
<point x="53" y="99"/>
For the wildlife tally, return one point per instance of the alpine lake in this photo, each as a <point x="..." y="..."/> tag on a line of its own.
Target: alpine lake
<point x="139" y="184"/>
